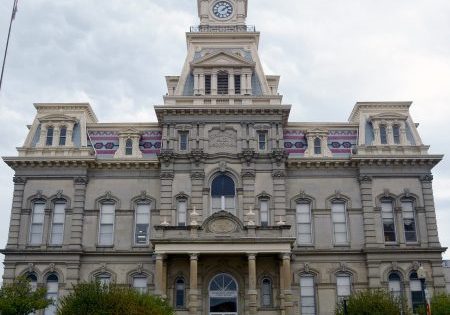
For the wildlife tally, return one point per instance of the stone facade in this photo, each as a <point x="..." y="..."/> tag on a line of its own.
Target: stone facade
<point x="224" y="206"/>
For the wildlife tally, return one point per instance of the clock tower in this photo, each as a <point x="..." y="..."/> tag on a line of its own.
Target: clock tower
<point x="222" y="12"/>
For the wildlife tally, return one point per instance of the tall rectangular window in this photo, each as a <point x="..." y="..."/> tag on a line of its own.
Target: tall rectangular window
<point x="262" y="140"/>
<point x="222" y="83"/>
<point x="307" y="295"/>
<point x="304" y="228"/>
<point x="37" y="223"/>
<point x="237" y="84"/>
<point x="182" y="212"/>
<point x="59" y="217"/>
<point x="184" y="140"/>
<point x="62" y="136"/>
<point x="343" y="283"/>
<point x="383" y="135"/>
<point x="140" y="284"/>
<point x="49" y="139"/>
<point x="339" y="217"/>
<point x="409" y="221"/>
<point x="142" y="223"/>
<point x="107" y="219"/>
<point x="208" y="84"/>
<point x="396" y="134"/>
<point x="387" y="214"/>
<point x="317" y="146"/>
<point x="264" y="212"/>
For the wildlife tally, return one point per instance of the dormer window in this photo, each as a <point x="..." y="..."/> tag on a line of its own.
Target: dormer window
<point x="317" y="146"/>
<point x="129" y="147"/>
<point x="237" y="84"/>
<point x="383" y="134"/>
<point x="208" y="84"/>
<point x="222" y="83"/>
<point x="396" y="134"/>
<point x="62" y="136"/>
<point x="49" y="139"/>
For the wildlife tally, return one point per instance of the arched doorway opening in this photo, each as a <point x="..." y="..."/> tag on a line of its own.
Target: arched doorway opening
<point x="223" y="295"/>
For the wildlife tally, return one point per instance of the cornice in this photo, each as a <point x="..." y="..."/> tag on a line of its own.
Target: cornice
<point x="376" y="106"/>
<point x="92" y="163"/>
<point x="85" y="107"/>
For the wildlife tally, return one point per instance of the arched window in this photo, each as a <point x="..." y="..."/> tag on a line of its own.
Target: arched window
<point x="396" y="133"/>
<point x="33" y="281"/>
<point x="409" y="220"/>
<point x="383" y="134"/>
<point x="142" y="223"/>
<point x="180" y="293"/>
<point x="343" y="285"/>
<point x="307" y="295"/>
<point x="222" y="82"/>
<point x="52" y="293"/>
<point x="37" y="222"/>
<point x="304" y="226"/>
<point x="395" y="285"/>
<point x="223" y="192"/>
<point x="59" y="217"/>
<point x="104" y="278"/>
<point x="107" y="219"/>
<point x="317" y="146"/>
<point x="62" y="136"/>
<point x="339" y="217"/>
<point x="140" y="284"/>
<point x="49" y="139"/>
<point x="129" y="147"/>
<point x="417" y="296"/>
<point x="266" y="292"/>
<point x="387" y="214"/>
<point x="223" y="295"/>
<point x="182" y="212"/>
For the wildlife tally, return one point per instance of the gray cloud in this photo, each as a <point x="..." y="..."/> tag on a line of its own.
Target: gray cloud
<point x="330" y="54"/>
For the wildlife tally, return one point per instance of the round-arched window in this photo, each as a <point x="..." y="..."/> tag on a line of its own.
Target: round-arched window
<point x="223" y="295"/>
<point x="223" y="194"/>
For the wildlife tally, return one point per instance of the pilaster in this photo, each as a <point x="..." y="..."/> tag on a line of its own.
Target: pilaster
<point x="430" y="211"/>
<point x="79" y="200"/>
<point x="193" y="289"/>
<point x="370" y="234"/>
<point x="14" y="226"/>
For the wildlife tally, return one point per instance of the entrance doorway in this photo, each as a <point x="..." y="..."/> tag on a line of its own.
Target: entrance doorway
<point x="223" y="295"/>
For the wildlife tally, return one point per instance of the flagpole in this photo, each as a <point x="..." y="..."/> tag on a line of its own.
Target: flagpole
<point x="13" y="14"/>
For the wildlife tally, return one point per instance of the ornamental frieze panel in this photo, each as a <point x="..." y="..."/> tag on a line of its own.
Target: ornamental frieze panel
<point x="222" y="141"/>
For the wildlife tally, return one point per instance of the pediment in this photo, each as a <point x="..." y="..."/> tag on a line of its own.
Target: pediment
<point x="222" y="59"/>
<point x="388" y="116"/>
<point x="57" y="118"/>
<point x="222" y="223"/>
<point x="129" y="132"/>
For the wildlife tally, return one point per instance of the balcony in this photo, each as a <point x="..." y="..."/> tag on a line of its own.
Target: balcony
<point x="223" y="29"/>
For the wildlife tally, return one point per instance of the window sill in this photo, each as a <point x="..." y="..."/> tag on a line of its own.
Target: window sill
<point x="104" y="246"/>
<point x="347" y="245"/>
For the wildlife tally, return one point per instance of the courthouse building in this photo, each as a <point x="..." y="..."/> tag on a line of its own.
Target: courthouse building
<point x="224" y="205"/>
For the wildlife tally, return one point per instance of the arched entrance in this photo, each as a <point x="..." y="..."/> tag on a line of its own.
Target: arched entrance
<point x="223" y="295"/>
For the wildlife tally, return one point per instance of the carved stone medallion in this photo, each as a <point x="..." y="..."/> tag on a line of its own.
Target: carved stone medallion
<point x="222" y="226"/>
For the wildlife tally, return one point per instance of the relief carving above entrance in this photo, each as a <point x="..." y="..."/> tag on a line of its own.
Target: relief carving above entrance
<point x="223" y="223"/>
<point x="224" y="141"/>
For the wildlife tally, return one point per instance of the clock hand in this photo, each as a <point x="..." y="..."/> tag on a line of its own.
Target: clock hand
<point x="222" y="9"/>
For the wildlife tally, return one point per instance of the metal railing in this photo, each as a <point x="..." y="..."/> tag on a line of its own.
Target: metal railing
<point x="223" y="29"/>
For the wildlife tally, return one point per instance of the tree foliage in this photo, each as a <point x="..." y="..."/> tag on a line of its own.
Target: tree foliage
<point x="373" y="302"/>
<point x="18" y="298"/>
<point x="96" y="299"/>
<point x="440" y="305"/>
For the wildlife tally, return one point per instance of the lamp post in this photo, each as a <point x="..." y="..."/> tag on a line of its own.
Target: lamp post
<point x="422" y="275"/>
<point x="345" y="307"/>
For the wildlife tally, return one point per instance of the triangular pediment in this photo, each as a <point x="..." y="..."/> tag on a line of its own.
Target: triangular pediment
<point x="222" y="59"/>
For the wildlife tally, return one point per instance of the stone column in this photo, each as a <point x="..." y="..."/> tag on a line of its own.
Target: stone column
<point x="14" y="225"/>
<point x="390" y="133"/>
<point x="287" y="283"/>
<point x="43" y="136"/>
<point x="196" y="83"/>
<point x="252" y="294"/>
<point x="231" y="83"/>
<point x="281" y="289"/>
<point x="69" y="135"/>
<point x="214" y="83"/>
<point x="376" y="133"/>
<point x="430" y="211"/>
<point x="193" y="282"/>
<point x="159" y="266"/>
<point x="243" y="84"/>
<point x="249" y="83"/>
<point x="403" y="137"/>
<point x="201" y="83"/>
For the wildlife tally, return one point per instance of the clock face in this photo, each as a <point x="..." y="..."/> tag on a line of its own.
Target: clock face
<point x="223" y="9"/>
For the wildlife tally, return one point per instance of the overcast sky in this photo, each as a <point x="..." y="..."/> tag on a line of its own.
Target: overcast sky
<point x="114" y="54"/>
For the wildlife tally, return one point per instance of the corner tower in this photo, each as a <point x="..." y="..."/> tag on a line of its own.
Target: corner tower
<point x="222" y="64"/>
